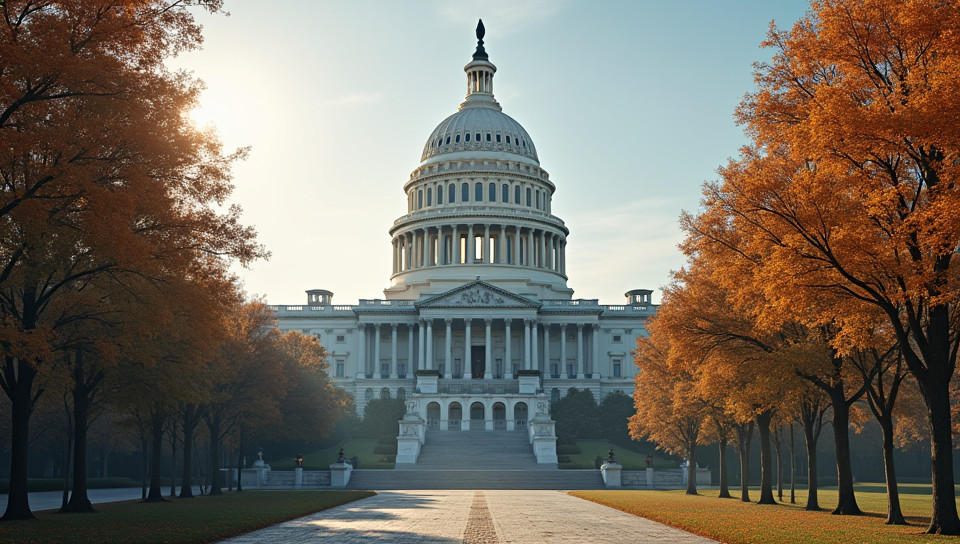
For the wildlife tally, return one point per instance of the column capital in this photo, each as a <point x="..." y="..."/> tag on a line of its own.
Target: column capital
<point x="448" y="321"/>
<point x="376" y="326"/>
<point x="579" y="326"/>
<point x="596" y="326"/>
<point x="488" y="321"/>
<point x="361" y="327"/>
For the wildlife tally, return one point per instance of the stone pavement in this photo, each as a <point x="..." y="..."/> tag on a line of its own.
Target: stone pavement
<point x="470" y="517"/>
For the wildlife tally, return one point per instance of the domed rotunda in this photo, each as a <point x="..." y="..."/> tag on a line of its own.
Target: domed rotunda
<point x="477" y="326"/>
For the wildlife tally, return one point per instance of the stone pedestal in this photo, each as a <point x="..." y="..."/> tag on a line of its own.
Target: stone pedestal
<point x="427" y="381"/>
<point x="650" y="478"/>
<point x="340" y="474"/>
<point x="541" y="430"/>
<point x="298" y="478"/>
<point x="528" y="381"/>
<point x="413" y="433"/>
<point x="611" y="474"/>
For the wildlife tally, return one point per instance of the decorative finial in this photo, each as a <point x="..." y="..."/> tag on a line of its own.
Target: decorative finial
<point x="480" y="53"/>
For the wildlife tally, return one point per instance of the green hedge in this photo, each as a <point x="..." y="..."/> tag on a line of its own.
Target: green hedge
<point x="568" y="449"/>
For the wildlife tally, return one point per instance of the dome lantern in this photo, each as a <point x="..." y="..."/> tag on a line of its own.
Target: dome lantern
<point x="480" y="76"/>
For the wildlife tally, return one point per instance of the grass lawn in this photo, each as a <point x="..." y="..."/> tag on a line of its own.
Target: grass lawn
<point x="735" y="522"/>
<point x="322" y="459"/>
<point x="630" y="460"/>
<point x="198" y="520"/>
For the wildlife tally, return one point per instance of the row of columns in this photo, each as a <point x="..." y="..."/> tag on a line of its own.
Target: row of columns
<point x="438" y="246"/>
<point x="530" y="356"/>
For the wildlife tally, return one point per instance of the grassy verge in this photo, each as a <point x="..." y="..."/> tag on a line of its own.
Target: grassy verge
<point x="322" y="459"/>
<point x="56" y="484"/>
<point x="199" y="520"/>
<point x="630" y="460"/>
<point x="735" y="522"/>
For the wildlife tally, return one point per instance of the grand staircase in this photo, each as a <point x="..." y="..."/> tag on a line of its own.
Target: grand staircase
<point x="476" y="460"/>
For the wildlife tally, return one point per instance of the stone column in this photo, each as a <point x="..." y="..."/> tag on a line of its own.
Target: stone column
<point x="376" y="349"/>
<point x="409" y="369"/>
<point x="467" y="363"/>
<point x="535" y="355"/>
<point x="454" y="246"/>
<point x="526" y="344"/>
<point x="426" y="247"/>
<point x="546" y="348"/>
<point x="430" y="360"/>
<point x="563" y="349"/>
<point x="530" y="246"/>
<point x="448" y="370"/>
<point x="488" y="348"/>
<point x="487" y="259"/>
<point x="471" y="248"/>
<point x="421" y="345"/>
<point x="508" y="364"/>
<point x="515" y="250"/>
<point x="595" y="356"/>
<point x="580" y="351"/>
<point x="502" y="245"/>
<point x="393" y="351"/>
<point x="362" y="352"/>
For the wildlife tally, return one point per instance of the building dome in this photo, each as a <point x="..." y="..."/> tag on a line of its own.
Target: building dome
<point x="480" y="128"/>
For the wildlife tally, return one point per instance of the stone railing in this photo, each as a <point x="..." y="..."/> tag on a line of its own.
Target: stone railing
<point x="311" y="310"/>
<point x="461" y="387"/>
<point x="375" y="303"/>
<point x="662" y="478"/>
<point x="510" y="212"/>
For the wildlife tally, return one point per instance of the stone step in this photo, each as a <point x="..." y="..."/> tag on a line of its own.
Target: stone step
<point x="476" y="450"/>
<point x="476" y="479"/>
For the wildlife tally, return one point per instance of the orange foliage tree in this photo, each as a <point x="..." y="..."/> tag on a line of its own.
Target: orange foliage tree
<point x="103" y="176"/>
<point x="850" y="185"/>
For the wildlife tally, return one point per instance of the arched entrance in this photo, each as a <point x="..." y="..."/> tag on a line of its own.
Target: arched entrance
<point x="520" y="416"/>
<point x="454" y="416"/>
<point x="477" y="415"/>
<point x="433" y="416"/>
<point x="499" y="416"/>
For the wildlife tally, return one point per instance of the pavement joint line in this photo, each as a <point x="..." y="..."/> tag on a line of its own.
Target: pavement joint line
<point x="480" y="528"/>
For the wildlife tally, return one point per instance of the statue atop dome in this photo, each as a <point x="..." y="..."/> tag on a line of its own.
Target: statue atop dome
<point x="480" y="53"/>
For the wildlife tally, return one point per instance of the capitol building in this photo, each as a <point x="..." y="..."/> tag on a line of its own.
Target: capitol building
<point x="477" y="325"/>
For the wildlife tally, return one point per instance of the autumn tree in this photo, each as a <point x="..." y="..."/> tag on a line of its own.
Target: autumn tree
<point x="850" y="183"/>
<point x="103" y="176"/>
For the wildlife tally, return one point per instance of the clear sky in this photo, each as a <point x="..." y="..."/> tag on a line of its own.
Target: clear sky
<point x="629" y="103"/>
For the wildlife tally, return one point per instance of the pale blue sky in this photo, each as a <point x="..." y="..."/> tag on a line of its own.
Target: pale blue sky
<point x="630" y="105"/>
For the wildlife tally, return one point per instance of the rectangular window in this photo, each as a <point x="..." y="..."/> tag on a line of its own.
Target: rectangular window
<point x="516" y="369"/>
<point x="419" y="198"/>
<point x="402" y="370"/>
<point x="341" y="338"/>
<point x="498" y="368"/>
<point x="617" y="368"/>
<point x="440" y="195"/>
<point x="340" y="366"/>
<point x="442" y="368"/>
<point x="571" y="373"/>
<point x="528" y="196"/>
<point x="554" y="370"/>
<point x="617" y="339"/>
<point x="385" y="370"/>
<point x="429" y="196"/>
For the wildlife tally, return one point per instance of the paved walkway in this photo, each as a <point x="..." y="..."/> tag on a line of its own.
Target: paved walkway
<point x="471" y="517"/>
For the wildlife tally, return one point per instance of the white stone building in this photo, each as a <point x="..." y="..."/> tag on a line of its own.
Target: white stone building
<point x="478" y="321"/>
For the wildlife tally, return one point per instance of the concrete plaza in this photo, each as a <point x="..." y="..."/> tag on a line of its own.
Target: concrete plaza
<point x="471" y="517"/>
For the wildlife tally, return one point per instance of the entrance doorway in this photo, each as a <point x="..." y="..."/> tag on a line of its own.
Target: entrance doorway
<point x="476" y="416"/>
<point x="433" y="416"/>
<point x="499" y="416"/>
<point x="478" y="361"/>
<point x="520" y="416"/>
<point x="454" y="416"/>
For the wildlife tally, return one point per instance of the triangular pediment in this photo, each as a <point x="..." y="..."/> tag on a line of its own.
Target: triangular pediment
<point x="477" y="294"/>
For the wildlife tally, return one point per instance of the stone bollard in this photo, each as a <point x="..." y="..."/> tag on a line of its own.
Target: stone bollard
<point x="298" y="478"/>
<point x="340" y="474"/>
<point x="649" y="478"/>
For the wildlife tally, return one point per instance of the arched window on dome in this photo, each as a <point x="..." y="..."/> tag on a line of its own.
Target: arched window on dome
<point x="467" y="137"/>
<point x="452" y="193"/>
<point x="465" y="192"/>
<point x="478" y="136"/>
<point x="538" y="199"/>
<point x="508" y="138"/>
<point x="448" y="140"/>
<point x="505" y="194"/>
<point x="478" y="192"/>
<point x="492" y="192"/>
<point x="439" y="195"/>
<point x="498" y="138"/>
<point x="419" y="198"/>
<point x="430" y="196"/>
<point x="457" y="139"/>
<point x="524" y="144"/>
<point x="516" y="194"/>
<point x="529" y="196"/>
<point x="488" y="136"/>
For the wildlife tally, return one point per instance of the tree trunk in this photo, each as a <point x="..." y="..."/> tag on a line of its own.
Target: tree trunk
<point x="189" y="423"/>
<point x="724" y="484"/>
<point x="766" y="459"/>
<point x="793" y="469"/>
<point x="692" y="467"/>
<point x="744" y="437"/>
<point x="240" y="458"/>
<point x="173" y="458"/>
<point x="79" y="501"/>
<point x="156" y="473"/>
<point x="777" y="446"/>
<point x="213" y="423"/>
<point x="846" y="499"/>
<point x="68" y="455"/>
<point x="18" y="378"/>
<point x="143" y="463"/>
<point x="894" y="515"/>
<point x="810" y="438"/>
<point x="936" y="394"/>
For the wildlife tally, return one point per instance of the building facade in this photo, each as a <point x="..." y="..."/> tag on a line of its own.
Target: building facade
<point x="478" y="302"/>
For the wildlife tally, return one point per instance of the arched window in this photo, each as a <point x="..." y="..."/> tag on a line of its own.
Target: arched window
<point x="529" y="194"/>
<point x="465" y="192"/>
<point x="516" y="195"/>
<point x="508" y="138"/>
<point x="467" y="138"/>
<point x="488" y="136"/>
<point x="452" y="194"/>
<point x="368" y="394"/>
<point x="478" y="192"/>
<point x="554" y="394"/>
<point x="457" y="139"/>
<point x="538" y="200"/>
<point x="419" y="198"/>
<point x="440" y="195"/>
<point x="448" y="140"/>
<point x="402" y="393"/>
<point x="478" y="136"/>
<point x="505" y="194"/>
<point x="492" y="197"/>
<point x="498" y="138"/>
<point x="430" y="196"/>
<point x="524" y="144"/>
<point x="385" y="393"/>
